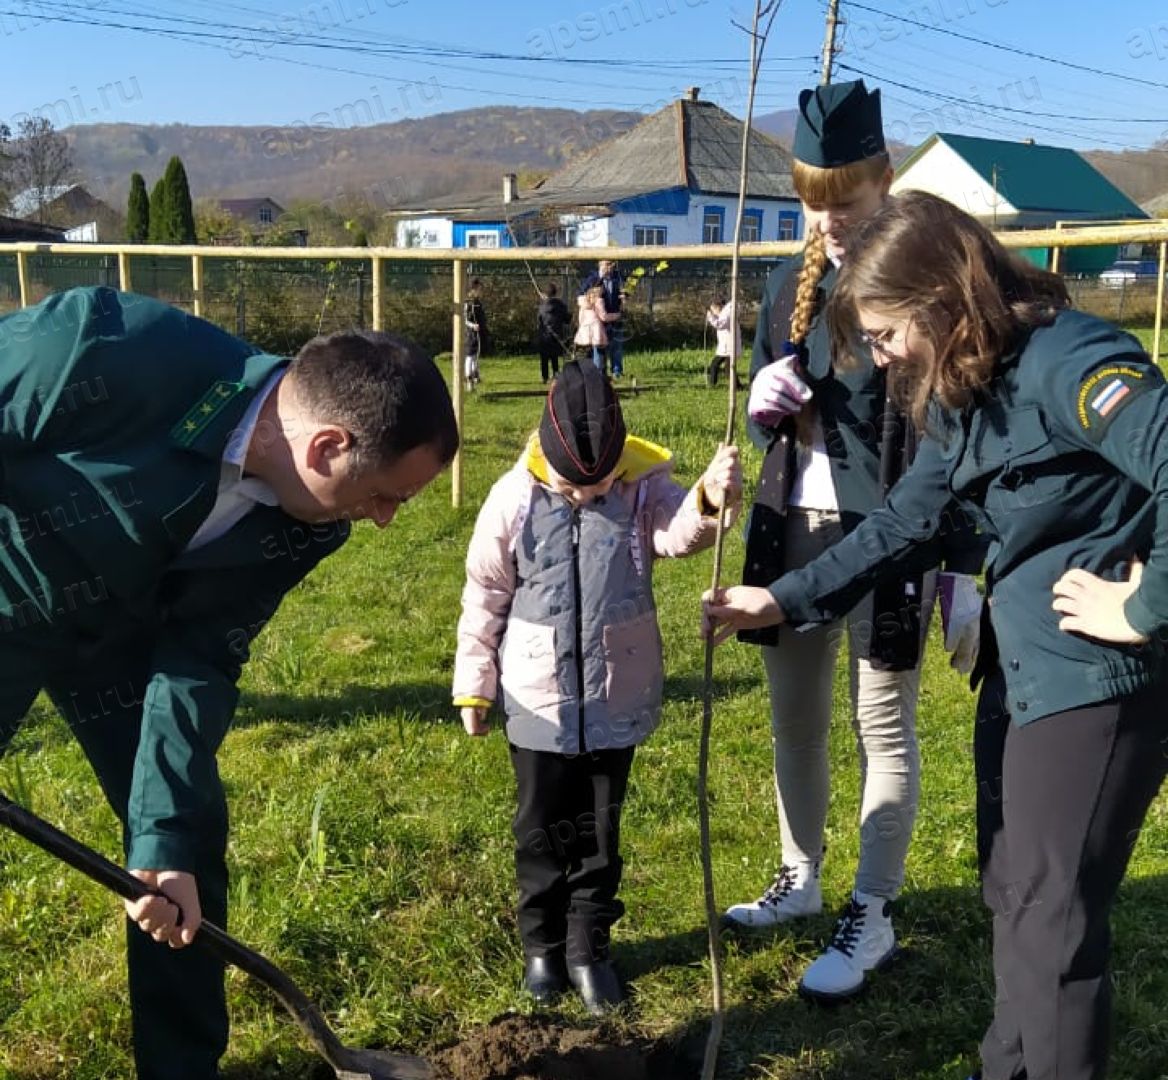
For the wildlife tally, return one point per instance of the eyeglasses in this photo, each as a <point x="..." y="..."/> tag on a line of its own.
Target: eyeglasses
<point x="884" y="340"/>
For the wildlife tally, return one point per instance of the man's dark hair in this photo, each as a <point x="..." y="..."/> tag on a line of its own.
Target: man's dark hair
<point x="381" y="388"/>
<point x="551" y="289"/>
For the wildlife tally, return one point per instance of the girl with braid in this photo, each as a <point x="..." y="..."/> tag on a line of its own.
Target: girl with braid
<point x="834" y="447"/>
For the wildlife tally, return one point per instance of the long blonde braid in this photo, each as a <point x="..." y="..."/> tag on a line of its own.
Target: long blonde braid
<point x="806" y="294"/>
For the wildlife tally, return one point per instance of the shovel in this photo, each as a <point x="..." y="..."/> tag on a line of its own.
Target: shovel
<point x="349" y="1064"/>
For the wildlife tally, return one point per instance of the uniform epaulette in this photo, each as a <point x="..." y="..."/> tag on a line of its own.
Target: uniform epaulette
<point x="205" y="410"/>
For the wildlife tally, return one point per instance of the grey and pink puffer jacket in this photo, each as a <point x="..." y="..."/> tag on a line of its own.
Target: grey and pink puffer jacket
<point x="558" y="619"/>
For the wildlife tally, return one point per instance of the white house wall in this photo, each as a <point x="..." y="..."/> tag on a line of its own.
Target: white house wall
<point x="617" y="229"/>
<point x="687" y="228"/>
<point x="432" y="232"/>
<point x="941" y="171"/>
<point x="590" y="231"/>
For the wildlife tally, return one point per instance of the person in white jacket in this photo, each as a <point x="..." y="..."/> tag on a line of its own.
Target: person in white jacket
<point x="722" y="317"/>
<point x="559" y="626"/>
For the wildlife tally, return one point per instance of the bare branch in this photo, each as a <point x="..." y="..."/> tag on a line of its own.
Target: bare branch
<point x="767" y="11"/>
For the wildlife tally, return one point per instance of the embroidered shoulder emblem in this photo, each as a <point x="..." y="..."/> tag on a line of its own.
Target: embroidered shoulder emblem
<point x="191" y="426"/>
<point x="1104" y="393"/>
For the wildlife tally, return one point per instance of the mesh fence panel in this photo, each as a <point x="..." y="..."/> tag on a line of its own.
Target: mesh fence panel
<point x="278" y="304"/>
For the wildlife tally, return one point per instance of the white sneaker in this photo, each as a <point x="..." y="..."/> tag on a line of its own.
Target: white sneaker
<point x="795" y="892"/>
<point x="862" y="941"/>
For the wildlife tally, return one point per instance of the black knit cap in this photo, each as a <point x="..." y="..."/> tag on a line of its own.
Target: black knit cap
<point x="838" y="123"/>
<point x="582" y="432"/>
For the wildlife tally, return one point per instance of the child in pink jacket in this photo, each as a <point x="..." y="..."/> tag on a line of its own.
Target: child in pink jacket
<point x="559" y="626"/>
<point x="591" y="334"/>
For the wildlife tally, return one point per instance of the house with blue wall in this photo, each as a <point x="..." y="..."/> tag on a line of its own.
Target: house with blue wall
<point x="671" y="179"/>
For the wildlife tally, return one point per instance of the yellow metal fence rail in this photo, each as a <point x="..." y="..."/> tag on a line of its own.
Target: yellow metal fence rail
<point x="1056" y="239"/>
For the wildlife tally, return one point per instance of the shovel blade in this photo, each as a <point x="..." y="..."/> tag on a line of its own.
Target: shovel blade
<point x="384" y="1065"/>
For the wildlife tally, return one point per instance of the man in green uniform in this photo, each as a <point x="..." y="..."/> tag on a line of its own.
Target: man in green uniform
<point x="163" y="485"/>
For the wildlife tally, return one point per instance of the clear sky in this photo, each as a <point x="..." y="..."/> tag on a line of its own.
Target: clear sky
<point x="279" y="62"/>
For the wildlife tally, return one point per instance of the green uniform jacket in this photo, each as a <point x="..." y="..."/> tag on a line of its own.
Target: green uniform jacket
<point x="1063" y="463"/>
<point x="115" y="411"/>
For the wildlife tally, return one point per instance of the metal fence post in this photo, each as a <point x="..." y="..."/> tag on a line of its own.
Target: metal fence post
<point x="361" y="296"/>
<point x="240" y="301"/>
<point x="22" y="277"/>
<point x="378" y="279"/>
<point x="459" y="350"/>
<point x="197" y="285"/>
<point x="1160" y="301"/>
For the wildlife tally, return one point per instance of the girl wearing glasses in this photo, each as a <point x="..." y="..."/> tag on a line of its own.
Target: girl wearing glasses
<point x="832" y="451"/>
<point x="1051" y="429"/>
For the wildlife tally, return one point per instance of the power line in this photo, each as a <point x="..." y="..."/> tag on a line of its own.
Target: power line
<point x="406" y="51"/>
<point x="1009" y="48"/>
<point x="984" y="110"/>
<point x="946" y="74"/>
<point x="213" y="39"/>
<point x="1010" y="108"/>
<point x="401" y="48"/>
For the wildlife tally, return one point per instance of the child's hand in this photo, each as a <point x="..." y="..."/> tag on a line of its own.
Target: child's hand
<point x="474" y="719"/>
<point x="722" y="480"/>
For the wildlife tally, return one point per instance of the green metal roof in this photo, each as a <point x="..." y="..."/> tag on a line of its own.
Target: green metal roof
<point x="1032" y="177"/>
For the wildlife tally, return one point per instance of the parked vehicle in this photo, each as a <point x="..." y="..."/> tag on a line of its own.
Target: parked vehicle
<point x="1129" y="272"/>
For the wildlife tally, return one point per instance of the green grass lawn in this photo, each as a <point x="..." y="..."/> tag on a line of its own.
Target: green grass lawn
<point x="1146" y="335"/>
<point x="371" y="850"/>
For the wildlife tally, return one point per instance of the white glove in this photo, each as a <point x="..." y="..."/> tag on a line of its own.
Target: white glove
<point x="777" y="391"/>
<point x="960" y="619"/>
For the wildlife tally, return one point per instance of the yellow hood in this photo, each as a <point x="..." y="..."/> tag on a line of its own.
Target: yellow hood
<point x="638" y="457"/>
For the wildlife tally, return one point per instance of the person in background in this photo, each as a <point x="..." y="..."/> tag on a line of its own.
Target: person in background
<point x="1051" y="428"/>
<point x="591" y="333"/>
<point x="477" y="343"/>
<point x="720" y="315"/>
<point x="551" y="331"/>
<point x="560" y="628"/>
<point x="612" y="285"/>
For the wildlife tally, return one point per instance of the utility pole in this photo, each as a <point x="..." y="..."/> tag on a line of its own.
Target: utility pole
<point x="829" y="40"/>
<point x="994" y="177"/>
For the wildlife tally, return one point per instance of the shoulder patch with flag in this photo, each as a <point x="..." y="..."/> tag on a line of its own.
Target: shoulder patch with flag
<point x="205" y="410"/>
<point x="1106" y="392"/>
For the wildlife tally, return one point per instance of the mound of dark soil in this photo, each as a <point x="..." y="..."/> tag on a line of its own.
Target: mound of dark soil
<point x="515" y="1047"/>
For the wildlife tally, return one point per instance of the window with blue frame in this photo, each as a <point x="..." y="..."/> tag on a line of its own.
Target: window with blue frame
<point x="788" y="224"/>
<point x="751" y="226"/>
<point x="646" y="235"/>
<point x="713" y="220"/>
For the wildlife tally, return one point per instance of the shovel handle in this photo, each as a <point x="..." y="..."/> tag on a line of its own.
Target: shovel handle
<point x="211" y="937"/>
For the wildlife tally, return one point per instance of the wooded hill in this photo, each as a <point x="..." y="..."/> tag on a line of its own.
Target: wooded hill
<point x="388" y="164"/>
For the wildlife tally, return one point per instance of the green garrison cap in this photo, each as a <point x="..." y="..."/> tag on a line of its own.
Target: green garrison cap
<point x="839" y="123"/>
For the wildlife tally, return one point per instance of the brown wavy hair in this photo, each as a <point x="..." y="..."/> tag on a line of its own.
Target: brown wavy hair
<point x="974" y="302"/>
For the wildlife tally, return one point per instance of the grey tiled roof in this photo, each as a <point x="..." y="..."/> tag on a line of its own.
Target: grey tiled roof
<point x="689" y="144"/>
<point x="692" y="144"/>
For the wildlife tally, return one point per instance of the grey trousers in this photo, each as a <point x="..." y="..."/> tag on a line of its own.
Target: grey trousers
<point x="800" y="671"/>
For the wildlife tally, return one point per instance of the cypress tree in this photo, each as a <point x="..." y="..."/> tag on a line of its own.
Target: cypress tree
<point x="172" y="218"/>
<point x="182" y="215"/>
<point x="138" y="211"/>
<point x="159" y="213"/>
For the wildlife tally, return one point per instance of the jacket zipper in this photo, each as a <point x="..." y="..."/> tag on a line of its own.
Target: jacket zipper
<point x="579" y="621"/>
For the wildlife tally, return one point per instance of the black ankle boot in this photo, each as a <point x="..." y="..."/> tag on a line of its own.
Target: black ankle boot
<point x="545" y="977"/>
<point x="598" y="986"/>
